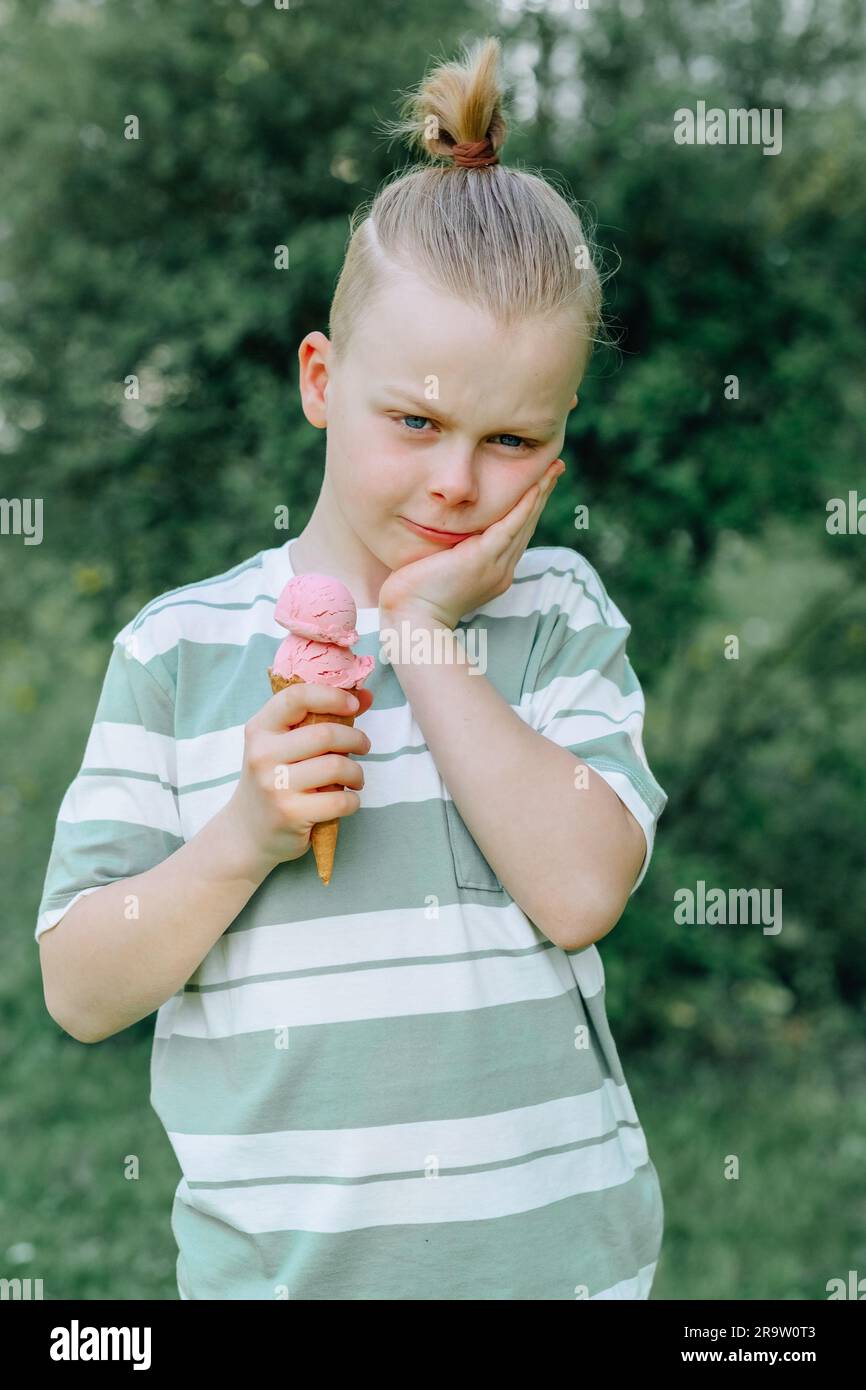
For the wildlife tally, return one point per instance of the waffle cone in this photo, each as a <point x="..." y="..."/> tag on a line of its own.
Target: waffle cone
<point x="323" y="836"/>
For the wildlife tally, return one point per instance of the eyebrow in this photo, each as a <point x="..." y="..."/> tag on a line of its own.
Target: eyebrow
<point x="538" y="427"/>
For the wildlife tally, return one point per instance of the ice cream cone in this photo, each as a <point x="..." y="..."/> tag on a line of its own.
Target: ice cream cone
<point x="323" y="836"/>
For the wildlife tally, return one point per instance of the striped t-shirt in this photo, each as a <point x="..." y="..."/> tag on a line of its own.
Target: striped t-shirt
<point x="394" y="1086"/>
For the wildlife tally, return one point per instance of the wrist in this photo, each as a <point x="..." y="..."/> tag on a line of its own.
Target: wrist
<point x="238" y="854"/>
<point x="416" y="615"/>
<point x="407" y="640"/>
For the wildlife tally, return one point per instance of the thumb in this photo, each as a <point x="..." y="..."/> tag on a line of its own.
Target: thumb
<point x="365" y="699"/>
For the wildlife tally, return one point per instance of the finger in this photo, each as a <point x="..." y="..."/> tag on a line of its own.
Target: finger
<point x="312" y="740"/>
<point x="534" y="498"/>
<point x="496" y="539"/>
<point x="289" y="706"/>
<point x="526" y="511"/>
<point x="319" y="806"/>
<point x="544" y="488"/>
<point x="366" y="698"/>
<point x="511" y="552"/>
<point x="330" y="772"/>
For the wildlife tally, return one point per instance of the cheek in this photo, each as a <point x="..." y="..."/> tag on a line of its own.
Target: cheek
<point x="505" y="489"/>
<point x="374" y="471"/>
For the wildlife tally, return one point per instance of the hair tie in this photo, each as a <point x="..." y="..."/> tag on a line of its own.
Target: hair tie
<point x="474" y="154"/>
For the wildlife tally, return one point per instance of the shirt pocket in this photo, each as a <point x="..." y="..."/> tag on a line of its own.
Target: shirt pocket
<point x="471" y="869"/>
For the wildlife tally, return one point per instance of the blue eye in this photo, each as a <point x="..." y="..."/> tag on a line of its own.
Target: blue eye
<point x="425" y="419"/>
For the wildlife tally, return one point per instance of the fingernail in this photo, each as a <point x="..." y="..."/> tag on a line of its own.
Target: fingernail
<point x="354" y="702"/>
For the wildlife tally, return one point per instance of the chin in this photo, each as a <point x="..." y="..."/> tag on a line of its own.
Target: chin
<point x="417" y="549"/>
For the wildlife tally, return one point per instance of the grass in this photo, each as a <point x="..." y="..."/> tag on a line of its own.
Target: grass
<point x="795" y="1216"/>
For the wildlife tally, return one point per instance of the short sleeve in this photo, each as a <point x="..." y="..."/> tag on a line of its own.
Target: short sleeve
<point x="583" y="693"/>
<point x="120" y="814"/>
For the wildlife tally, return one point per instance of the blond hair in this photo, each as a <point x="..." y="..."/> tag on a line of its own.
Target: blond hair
<point x="500" y="238"/>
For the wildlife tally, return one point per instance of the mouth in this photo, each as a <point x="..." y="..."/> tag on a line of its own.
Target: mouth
<point x="444" y="537"/>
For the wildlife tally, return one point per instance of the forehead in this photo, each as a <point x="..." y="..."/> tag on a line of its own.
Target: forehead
<point x="412" y="331"/>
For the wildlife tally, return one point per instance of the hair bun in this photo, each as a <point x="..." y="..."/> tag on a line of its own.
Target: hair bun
<point x="474" y="154"/>
<point x="455" y="112"/>
<point x="507" y="241"/>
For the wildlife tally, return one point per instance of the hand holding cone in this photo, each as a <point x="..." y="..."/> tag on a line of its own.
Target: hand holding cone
<point x="323" y="836"/>
<point x="320" y="615"/>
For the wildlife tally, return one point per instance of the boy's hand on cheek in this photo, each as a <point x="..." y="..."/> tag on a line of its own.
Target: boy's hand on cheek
<point x="444" y="586"/>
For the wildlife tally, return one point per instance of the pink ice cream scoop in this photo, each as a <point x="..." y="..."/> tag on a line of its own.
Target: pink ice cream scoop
<point x="320" y="615"/>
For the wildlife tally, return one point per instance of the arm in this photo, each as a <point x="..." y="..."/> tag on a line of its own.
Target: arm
<point x="103" y="970"/>
<point x="568" y="856"/>
<point x="109" y="962"/>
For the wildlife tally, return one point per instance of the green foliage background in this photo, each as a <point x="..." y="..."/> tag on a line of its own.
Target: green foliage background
<point x="708" y="517"/>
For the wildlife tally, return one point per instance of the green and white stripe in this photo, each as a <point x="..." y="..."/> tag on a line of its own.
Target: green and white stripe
<point x="395" y="1087"/>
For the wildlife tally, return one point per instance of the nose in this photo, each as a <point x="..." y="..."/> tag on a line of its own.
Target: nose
<point x="452" y="478"/>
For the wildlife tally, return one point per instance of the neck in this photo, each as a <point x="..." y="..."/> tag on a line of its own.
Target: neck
<point x="328" y="545"/>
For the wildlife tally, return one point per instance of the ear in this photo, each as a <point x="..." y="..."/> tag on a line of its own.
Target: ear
<point x="313" y="378"/>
